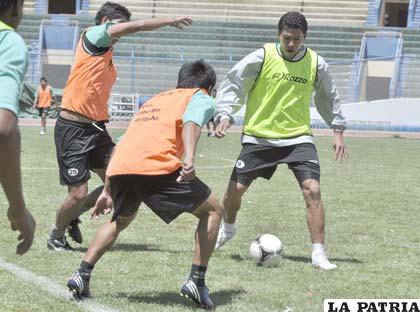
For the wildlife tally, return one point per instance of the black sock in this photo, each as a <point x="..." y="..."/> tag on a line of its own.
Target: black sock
<point x="86" y="267"/>
<point x="198" y="274"/>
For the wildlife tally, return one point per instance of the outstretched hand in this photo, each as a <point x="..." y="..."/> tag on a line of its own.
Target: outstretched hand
<point x="181" y="22"/>
<point x="102" y="206"/>
<point x="23" y="222"/>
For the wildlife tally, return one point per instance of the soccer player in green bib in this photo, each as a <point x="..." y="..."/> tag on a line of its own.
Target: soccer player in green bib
<point x="276" y="83"/>
<point x="13" y="64"/>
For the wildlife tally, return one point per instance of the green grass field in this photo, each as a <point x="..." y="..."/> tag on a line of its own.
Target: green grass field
<point x="372" y="229"/>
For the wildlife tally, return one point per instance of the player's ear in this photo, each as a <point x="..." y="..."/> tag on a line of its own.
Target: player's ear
<point x="104" y="19"/>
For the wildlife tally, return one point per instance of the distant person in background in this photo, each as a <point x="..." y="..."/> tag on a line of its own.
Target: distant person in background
<point x="277" y="83"/>
<point x="210" y="125"/>
<point x="13" y="65"/>
<point x="43" y="97"/>
<point x="81" y="139"/>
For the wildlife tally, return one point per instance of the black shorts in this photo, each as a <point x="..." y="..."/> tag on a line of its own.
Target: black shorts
<point x="162" y="194"/>
<point x="42" y="110"/>
<point x="256" y="161"/>
<point x="81" y="147"/>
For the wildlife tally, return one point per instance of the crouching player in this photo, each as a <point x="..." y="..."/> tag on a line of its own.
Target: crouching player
<point x="147" y="167"/>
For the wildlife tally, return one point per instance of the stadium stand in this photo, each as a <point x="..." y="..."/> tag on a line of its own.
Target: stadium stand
<point x="223" y="32"/>
<point x="341" y="12"/>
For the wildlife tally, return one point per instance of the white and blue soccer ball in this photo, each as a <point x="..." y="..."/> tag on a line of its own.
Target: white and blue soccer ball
<point x="267" y="250"/>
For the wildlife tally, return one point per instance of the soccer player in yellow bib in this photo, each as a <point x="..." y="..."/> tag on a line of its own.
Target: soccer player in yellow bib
<point x="13" y="65"/>
<point x="277" y="83"/>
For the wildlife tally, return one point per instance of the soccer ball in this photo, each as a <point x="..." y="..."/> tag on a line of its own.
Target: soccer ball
<point x="266" y="250"/>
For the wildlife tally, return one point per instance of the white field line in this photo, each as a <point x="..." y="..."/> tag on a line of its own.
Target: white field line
<point x="52" y="287"/>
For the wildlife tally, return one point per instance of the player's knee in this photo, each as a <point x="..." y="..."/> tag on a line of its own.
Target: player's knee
<point x="124" y="221"/>
<point x="79" y="193"/>
<point x="235" y="191"/>
<point x="311" y="189"/>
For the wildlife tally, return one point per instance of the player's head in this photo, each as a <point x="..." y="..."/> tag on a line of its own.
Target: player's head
<point x="112" y="12"/>
<point x="198" y="74"/>
<point x="292" y="32"/>
<point x="11" y="11"/>
<point x="43" y="81"/>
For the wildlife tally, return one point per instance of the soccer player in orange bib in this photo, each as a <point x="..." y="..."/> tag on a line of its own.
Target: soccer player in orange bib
<point x="81" y="139"/>
<point x="154" y="164"/>
<point x="42" y="102"/>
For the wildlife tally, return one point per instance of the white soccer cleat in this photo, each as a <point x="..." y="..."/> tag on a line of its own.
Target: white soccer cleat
<point x="320" y="260"/>
<point x="224" y="236"/>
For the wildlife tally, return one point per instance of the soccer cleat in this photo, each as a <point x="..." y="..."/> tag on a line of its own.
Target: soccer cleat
<point x="224" y="236"/>
<point x="199" y="295"/>
<point x="74" y="230"/>
<point x="58" y="244"/>
<point x="78" y="284"/>
<point x="320" y="260"/>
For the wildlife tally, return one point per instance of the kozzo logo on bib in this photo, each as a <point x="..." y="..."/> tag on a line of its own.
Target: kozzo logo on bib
<point x="73" y="172"/>
<point x="288" y="77"/>
<point x="240" y="164"/>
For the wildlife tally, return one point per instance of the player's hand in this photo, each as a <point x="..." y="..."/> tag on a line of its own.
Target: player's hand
<point x="181" y="22"/>
<point x="221" y="128"/>
<point x="23" y="222"/>
<point x="187" y="172"/>
<point x="340" y="149"/>
<point x="102" y="206"/>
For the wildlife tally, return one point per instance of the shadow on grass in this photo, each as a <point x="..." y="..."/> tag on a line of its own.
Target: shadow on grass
<point x="132" y="247"/>
<point x="308" y="259"/>
<point x="239" y="258"/>
<point x="221" y="297"/>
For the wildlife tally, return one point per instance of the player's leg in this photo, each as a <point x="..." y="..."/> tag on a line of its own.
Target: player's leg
<point x="126" y="204"/>
<point x="10" y="179"/>
<point x="307" y="174"/>
<point x="98" y="160"/>
<point x="68" y="211"/>
<point x="254" y="161"/>
<point x="209" y="214"/>
<point x="71" y="140"/>
<point x="44" y="121"/>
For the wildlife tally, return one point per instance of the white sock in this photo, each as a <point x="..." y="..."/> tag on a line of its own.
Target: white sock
<point x="317" y="248"/>
<point x="229" y="227"/>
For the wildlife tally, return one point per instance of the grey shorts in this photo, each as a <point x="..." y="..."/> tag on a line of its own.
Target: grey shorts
<point x="256" y="161"/>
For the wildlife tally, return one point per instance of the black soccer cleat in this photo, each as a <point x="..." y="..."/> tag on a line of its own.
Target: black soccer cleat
<point x="74" y="230"/>
<point x="78" y="284"/>
<point x="199" y="295"/>
<point x="60" y="244"/>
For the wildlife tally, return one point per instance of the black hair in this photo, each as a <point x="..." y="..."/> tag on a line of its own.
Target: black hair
<point x="294" y="20"/>
<point x="43" y="79"/>
<point x="198" y="74"/>
<point x="112" y="11"/>
<point x="6" y="4"/>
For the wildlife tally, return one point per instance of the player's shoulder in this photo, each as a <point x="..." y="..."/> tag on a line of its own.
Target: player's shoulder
<point x="11" y="39"/>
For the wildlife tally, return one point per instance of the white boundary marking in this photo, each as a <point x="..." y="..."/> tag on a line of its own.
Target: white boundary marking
<point x="53" y="288"/>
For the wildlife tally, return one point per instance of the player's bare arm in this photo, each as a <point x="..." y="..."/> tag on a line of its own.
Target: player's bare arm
<point x="190" y="135"/>
<point x="127" y="28"/>
<point x="20" y="218"/>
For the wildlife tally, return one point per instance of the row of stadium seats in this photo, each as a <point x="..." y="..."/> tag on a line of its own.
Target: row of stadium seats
<point x="160" y="53"/>
<point x="323" y="12"/>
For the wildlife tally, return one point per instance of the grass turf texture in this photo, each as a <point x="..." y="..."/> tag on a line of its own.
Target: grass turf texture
<point x="372" y="234"/>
